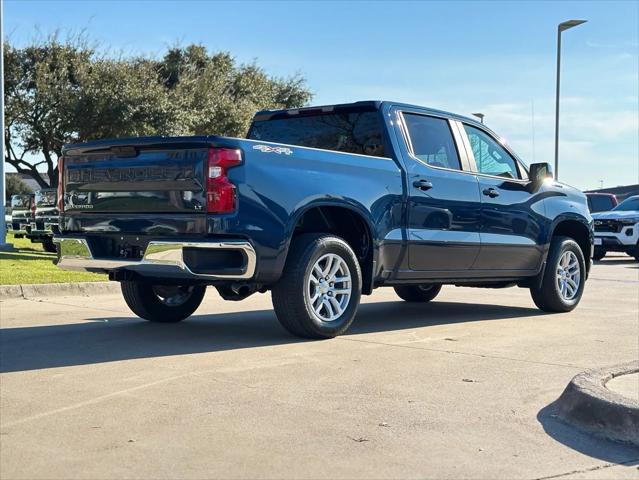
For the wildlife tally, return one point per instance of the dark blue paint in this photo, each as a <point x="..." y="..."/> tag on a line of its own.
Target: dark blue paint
<point x="451" y="231"/>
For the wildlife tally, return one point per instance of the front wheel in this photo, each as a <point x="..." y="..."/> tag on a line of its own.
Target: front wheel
<point x="599" y="253"/>
<point x="162" y="303"/>
<point x="418" y="293"/>
<point x="320" y="288"/>
<point x="48" y="245"/>
<point x="564" y="277"/>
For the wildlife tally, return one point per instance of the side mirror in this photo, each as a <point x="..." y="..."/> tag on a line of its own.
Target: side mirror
<point x="538" y="173"/>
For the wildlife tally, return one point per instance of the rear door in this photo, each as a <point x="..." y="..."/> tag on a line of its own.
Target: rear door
<point x="443" y="204"/>
<point x="511" y="216"/>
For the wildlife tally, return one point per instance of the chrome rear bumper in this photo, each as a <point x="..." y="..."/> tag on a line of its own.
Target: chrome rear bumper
<point x="160" y="259"/>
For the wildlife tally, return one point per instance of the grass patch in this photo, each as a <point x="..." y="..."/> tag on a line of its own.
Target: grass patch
<point x="29" y="263"/>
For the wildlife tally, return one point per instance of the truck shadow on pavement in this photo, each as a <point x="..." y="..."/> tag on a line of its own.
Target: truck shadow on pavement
<point x="592" y="446"/>
<point x="110" y="339"/>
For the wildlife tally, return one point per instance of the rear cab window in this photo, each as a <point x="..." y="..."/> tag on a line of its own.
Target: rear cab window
<point x="350" y="130"/>
<point x="600" y="203"/>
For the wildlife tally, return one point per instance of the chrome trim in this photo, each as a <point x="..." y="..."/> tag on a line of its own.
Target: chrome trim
<point x="160" y="257"/>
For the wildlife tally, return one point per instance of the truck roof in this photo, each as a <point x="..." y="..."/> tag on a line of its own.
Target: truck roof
<point x="373" y="104"/>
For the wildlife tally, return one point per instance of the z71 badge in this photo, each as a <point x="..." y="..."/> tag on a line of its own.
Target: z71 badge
<point x="269" y="149"/>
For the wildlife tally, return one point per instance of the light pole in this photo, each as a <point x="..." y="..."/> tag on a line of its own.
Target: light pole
<point x="560" y="28"/>
<point x="3" y="229"/>
<point x="480" y="116"/>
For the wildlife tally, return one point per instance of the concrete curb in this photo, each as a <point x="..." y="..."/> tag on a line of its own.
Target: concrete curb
<point x="58" y="289"/>
<point x="587" y="404"/>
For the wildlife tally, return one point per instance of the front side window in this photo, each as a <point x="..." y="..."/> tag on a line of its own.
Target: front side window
<point x="491" y="158"/>
<point x="343" y="131"/>
<point x="432" y="141"/>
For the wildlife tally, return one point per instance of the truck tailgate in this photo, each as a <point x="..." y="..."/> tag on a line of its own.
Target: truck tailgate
<point x="159" y="175"/>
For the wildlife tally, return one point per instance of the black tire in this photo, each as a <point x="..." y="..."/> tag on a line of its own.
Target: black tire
<point x="418" y="293"/>
<point x="635" y="252"/>
<point x="49" y="246"/>
<point x="548" y="298"/>
<point x="289" y="297"/>
<point x="599" y="253"/>
<point x="162" y="303"/>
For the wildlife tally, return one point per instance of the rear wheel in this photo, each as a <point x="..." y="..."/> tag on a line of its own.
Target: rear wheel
<point x="599" y="253"/>
<point x="162" y="303"/>
<point x="564" y="277"/>
<point x="320" y="288"/>
<point x="418" y="293"/>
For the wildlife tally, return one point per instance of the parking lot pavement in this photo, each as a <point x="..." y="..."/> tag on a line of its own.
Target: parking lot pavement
<point x="460" y="388"/>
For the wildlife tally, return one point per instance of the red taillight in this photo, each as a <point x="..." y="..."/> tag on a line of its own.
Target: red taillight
<point x="60" y="186"/>
<point x="220" y="193"/>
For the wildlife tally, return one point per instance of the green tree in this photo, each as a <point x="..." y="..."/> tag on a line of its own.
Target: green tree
<point x="15" y="185"/>
<point x="59" y="92"/>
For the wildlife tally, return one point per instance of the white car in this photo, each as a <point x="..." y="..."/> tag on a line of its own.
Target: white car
<point x="618" y="229"/>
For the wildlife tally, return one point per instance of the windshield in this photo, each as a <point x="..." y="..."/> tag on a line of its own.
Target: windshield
<point x="45" y="198"/>
<point x="20" y="201"/>
<point x="631" y="203"/>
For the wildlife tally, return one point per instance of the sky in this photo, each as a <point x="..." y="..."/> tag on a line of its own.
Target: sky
<point x="497" y="58"/>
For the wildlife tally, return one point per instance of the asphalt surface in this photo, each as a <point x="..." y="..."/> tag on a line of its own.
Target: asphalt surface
<point x="459" y="388"/>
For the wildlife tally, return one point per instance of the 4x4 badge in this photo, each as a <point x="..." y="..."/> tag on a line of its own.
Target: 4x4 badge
<point x="269" y="149"/>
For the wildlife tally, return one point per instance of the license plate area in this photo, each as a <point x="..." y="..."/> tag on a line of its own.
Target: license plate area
<point x="598" y="241"/>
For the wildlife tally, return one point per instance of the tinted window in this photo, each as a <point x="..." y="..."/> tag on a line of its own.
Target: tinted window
<point x="432" y="141"/>
<point x="631" y="203"/>
<point x="599" y="203"/>
<point x="491" y="158"/>
<point x="351" y="132"/>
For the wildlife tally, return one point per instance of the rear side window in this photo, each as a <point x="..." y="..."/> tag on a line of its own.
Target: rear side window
<point x="432" y="141"/>
<point x="349" y="132"/>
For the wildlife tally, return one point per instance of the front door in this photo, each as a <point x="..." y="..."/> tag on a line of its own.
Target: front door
<point x="511" y="217"/>
<point x="444" y="202"/>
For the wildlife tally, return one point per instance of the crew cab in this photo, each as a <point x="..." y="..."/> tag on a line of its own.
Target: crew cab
<point x="320" y="205"/>
<point x="618" y="229"/>
<point x="44" y="222"/>
<point x="21" y="213"/>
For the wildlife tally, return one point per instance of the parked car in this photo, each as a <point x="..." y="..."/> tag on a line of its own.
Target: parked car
<point x="618" y="230"/>
<point x="21" y="213"/>
<point x="44" y="223"/>
<point x="320" y="205"/>
<point x="601" y="202"/>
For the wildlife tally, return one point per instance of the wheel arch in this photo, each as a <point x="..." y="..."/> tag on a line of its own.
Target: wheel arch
<point x="348" y="220"/>
<point x="579" y="229"/>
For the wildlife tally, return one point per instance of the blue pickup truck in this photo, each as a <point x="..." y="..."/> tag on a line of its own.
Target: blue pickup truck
<point x="320" y="205"/>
